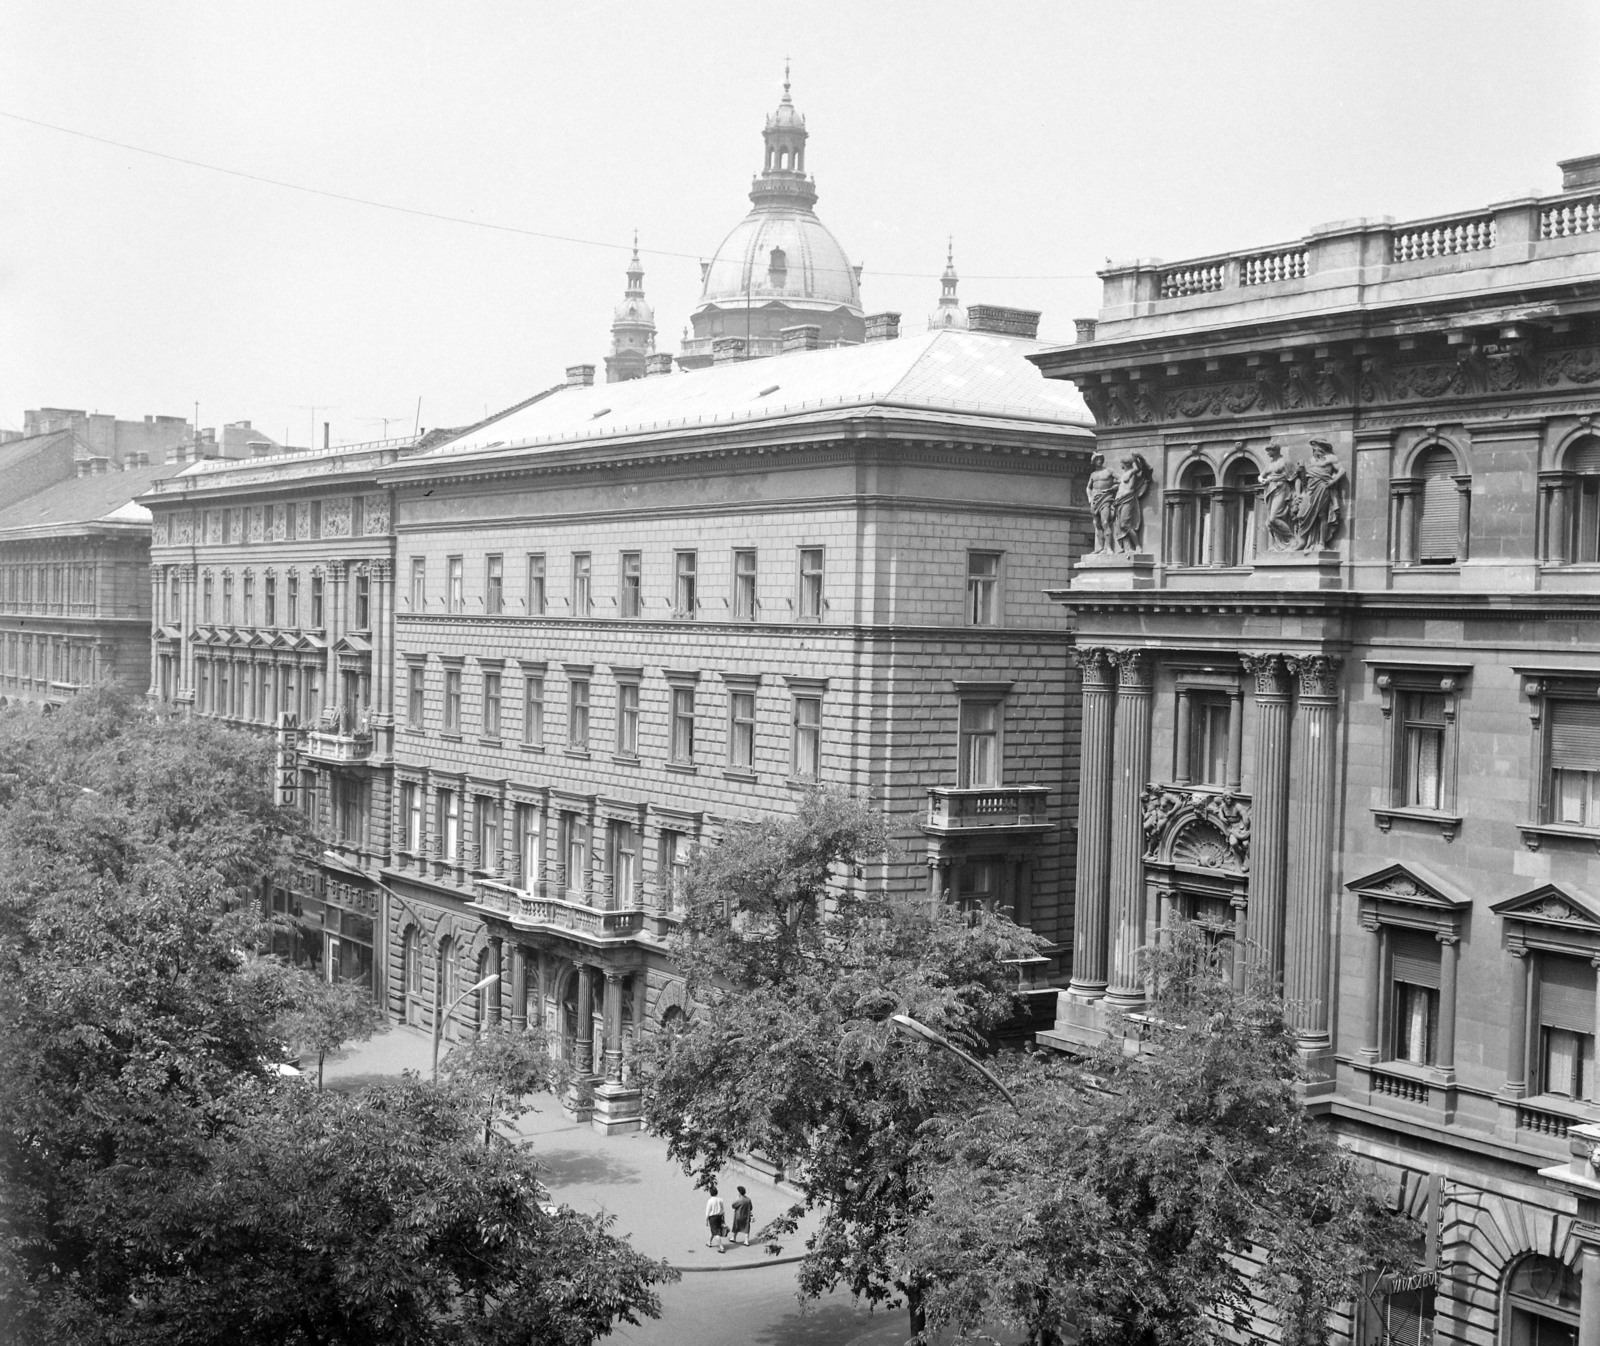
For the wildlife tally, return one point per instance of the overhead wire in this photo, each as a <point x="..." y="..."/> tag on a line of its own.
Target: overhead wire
<point x="443" y="217"/>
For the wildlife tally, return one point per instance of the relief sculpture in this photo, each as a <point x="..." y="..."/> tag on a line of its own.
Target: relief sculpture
<point x="1170" y="812"/>
<point x="1303" y="503"/>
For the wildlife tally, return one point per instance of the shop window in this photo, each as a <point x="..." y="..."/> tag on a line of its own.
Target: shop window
<point x="494" y="585"/>
<point x="630" y="601"/>
<point x="744" y="585"/>
<point x="685" y="582"/>
<point x="983" y="588"/>
<point x="1190" y="510"/>
<point x="1420" y="703"/>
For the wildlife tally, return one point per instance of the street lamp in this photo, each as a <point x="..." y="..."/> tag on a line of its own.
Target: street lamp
<point x="912" y="1028"/>
<point x="438" y="1019"/>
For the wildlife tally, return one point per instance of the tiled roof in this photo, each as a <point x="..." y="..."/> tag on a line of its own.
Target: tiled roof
<point x="942" y="373"/>
<point x="104" y="497"/>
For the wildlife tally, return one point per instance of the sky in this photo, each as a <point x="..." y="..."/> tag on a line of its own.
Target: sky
<point x="1046" y="138"/>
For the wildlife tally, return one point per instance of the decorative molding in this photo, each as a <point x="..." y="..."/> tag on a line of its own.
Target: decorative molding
<point x="1318" y="674"/>
<point x="1135" y="668"/>
<point x="1094" y="664"/>
<point x="1203" y="829"/>
<point x="1269" y="672"/>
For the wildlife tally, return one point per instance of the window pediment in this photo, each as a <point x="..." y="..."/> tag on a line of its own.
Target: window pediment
<point x="1411" y="886"/>
<point x="1551" y="905"/>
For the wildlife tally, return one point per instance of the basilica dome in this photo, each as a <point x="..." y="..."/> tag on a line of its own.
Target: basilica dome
<point x="781" y="253"/>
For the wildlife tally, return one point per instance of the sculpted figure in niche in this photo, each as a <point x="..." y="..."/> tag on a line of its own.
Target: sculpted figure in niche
<point x="1102" y="492"/>
<point x="1277" y="489"/>
<point x="1133" y="480"/>
<point x="1320" y="498"/>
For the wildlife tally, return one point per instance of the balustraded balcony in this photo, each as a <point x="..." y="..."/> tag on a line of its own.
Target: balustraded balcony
<point x="988" y="808"/>
<point x="338" y="747"/>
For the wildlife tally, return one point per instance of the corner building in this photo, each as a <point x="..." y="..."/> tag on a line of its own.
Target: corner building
<point x="1341" y="705"/>
<point x="631" y="612"/>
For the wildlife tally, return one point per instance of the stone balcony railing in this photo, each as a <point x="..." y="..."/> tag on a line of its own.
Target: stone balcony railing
<point x="547" y="906"/>
<point x="953" y="809"/>
<point x="337" y="747"/>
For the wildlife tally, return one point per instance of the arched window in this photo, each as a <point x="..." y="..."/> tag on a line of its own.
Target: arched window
<point x="1571" y="505"/>
<point x="480" y="1002"/>
<point x="449" y="978"/>
<point x="1541" y="1304"/>
<point x="1189" y="517"/>
<point x="411" y="973"/>
<point x="1236" y="532"/>
<point x="1430" y="510"/>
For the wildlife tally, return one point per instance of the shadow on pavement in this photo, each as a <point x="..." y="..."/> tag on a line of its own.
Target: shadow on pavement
<point x="824" y="1326"/>
<point x="571" y="1168"/>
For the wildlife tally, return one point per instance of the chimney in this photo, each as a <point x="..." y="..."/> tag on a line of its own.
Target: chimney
<point x="726" y="350"/>
<point x="258" y="448"/>
<point x="99" y="464"/>
<point x="142" y="458"/>
<point x="659" y="363"/>
<point x="81" y="467"/>
<point x="1001" y="321"/>
<point x="805" y="337"/>
<point x="883" y="327"/>
<point x="1085" y="328"/>
<point x="325" y="433"/>
<point x="580" y="376"/>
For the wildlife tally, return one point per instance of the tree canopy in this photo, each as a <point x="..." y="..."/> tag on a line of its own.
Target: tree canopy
<point x="1147" y="1199"/>
<point x="796" y="968"/>
<point x="143" y="1139"/>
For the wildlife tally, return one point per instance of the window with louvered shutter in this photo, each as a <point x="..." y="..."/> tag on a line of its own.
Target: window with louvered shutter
<point x="1439" y="521"/>
<point x="1414" y="958"/>
<point x="1566" y="993"/>
<point x="1584" y="456"/>
<point x="1575" y="735"/>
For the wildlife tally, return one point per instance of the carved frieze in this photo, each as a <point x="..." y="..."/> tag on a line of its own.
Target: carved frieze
<point x="183" y="530"/>
<point x="376" y="512"/>
<point x="161" y="530"/>
<point x="336" y="518"/>
<point x="257" y="525"/>
<point x="1202" y="828"/>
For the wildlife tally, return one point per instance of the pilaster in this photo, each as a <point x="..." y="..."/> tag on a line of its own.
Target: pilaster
<point x="1270" y="810"/>
<point x="1092" y="900"/>
<point x="1131" y="745"/>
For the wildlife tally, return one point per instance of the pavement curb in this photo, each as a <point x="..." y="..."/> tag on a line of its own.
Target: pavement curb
<point x="741" y="1266"/>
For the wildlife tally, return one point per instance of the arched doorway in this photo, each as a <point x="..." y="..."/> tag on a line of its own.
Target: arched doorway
<point x="1540" y="1306"/>
<point x="568" y="1004"/>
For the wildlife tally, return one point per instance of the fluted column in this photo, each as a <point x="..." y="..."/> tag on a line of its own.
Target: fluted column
<point x="613" y="1026"/>
<point x="496" y="969"/>
<point x="1306" y="951"/>
<point x="1449" y="956"/>
<point x="1374" y="988"/>
<point x="1269" y="814"/>
<point x="583" y="1030"/>
<point x="1131" y="748"/>
<point x="519" y="987"/>
<point x="1517" y="1029"/>
<point x="333" y="628"/>
<point x="1092" y="899"/>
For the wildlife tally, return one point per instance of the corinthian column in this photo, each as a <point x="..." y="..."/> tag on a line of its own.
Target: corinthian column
<point x="1305" y="973"/>
<point x="1092" y="900"/>
<point x="1270" y="810"/>
<point x="1131" y="774"/>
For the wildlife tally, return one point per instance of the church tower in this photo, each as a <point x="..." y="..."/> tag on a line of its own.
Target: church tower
<point x="949" y="313"/>
<point x="633" y="327"/>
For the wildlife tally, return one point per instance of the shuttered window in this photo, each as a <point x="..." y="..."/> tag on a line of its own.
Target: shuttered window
<point x="1414" y="958"/>
<point x="1439" y="522"/>
<point x="1575" y="735"/>
<point x="1566" y="993"/>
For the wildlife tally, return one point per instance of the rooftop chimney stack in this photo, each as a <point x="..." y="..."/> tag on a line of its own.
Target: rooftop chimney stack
<point x="1085" y="328"/>
<point x="727" y="350"/>
<point x="883" y="327"/>
<point x="804" y="337"/>
<point x="1002" y="321"/>
<point x="659" y="363"/>
<point x="325" y="436"/>
<point x="580" y="376"/>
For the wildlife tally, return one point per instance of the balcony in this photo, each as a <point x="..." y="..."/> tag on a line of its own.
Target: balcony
<point x="541" y="909"/>
<point x="337" y="747"/>
<point x="1017" y="808"/>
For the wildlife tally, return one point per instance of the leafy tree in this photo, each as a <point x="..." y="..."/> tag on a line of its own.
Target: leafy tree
<point x="322" y="1016"/>
<point x="798" y="970"/>
<point x="1125" y="1198"/>
<point x="140" y="1130"/>
<point x="502" y="1068"/>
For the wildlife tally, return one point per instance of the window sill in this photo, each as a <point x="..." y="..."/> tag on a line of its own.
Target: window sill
<point x="682" y="768"/>
<point x="450" y="736"/>
<point x="1447" y="823"/>
<point x="1534" y="834"/>
<point x="491" y="742"/>
<point x="530" y="747"/>
<point x="625" y="758"/>
<point x="582" y="754"/>
<point x="414" y="730"/>
<point x="803" y="782"/>
<point x="740" y="774"/>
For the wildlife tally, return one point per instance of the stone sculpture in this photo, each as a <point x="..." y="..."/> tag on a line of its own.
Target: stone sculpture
<point x="1303" y="504"/>
<point x="1102" y="492"/>
<point x="1133" y="481"/>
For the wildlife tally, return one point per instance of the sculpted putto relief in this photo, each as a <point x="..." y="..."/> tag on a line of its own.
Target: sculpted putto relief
<point x="1171" y="811"/>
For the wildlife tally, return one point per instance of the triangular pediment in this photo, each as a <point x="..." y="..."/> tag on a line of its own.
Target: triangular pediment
<point x="1412" y="885"/>
<point x="1550" y="904"/>
<point x="353" y="645"/>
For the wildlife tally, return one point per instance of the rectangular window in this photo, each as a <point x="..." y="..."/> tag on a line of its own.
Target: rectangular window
<point x="807" y="737"/>
<point x="205" y="601"/>
<point x="1566" y="993"/>
<point x="744" y="585"/>
<point x="575" y="852"/>
<point x="684" y="584"/>
<point x="533" y="710"/>
<point x="683" y="725"/>
<point x="742" y="730"/>
<point x="578" y="714"/>
<point x="292" y="599"/>
<point x="628" y="719"/>
<point x="452" y="701"/>
<point x="416" y="696"/>
<point x="810" y="584"/>
<point x="980" y="744"/>
<point x="1422" y="730"/>
<point x="455" y="585"/>
<point x="1208" y="739"/>
<point x="363" y="604"/>
<point x="672" y="872"/>
<point x="1574" y="763"/>
<point x="316" y="602"/>
<point x="983" y="588"/>
<point x="419" y="583"/>
<point x="227" y="599"/>
<point x="249" y="600"/>
<point x="528" y="825"/>
<point x="269" y="599"/>
<point x="491" y="705"/>
<point x="411" y="816"/>
<point x="487" y="809"/>
<point x="622" y="843"/>
<point x="174" y="599"/>
<point x="494" y="585"/>
<point x="449" y="826"/>
<point x="1414" y="969"/>
<point x="582" y="593"/>
<point x="630" y="601"/>
<point x="536" y="593"/>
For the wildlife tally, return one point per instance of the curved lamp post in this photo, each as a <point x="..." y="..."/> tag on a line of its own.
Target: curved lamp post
<point x="438" y="1020"/>
<point x="904" y="1023"/>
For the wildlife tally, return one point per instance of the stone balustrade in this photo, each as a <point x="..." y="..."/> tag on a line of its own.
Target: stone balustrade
<point x="951" y="809"/>
<point x="1567" y="217"/>
<point x="336" y="747"/>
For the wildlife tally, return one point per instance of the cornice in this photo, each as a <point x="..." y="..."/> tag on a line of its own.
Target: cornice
<point x="842" y="633"/>
<point x="1496" y="607"/>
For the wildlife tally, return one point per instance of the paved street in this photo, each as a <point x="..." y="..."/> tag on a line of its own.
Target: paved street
<point x="747" y="1300"/>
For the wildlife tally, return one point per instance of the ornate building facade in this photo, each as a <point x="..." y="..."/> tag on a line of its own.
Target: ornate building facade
<point x="1339" y="643"/>
<point x="631" y="612"/>
<point x="271" y="589"/>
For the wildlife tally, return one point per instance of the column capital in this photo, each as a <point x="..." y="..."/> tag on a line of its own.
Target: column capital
<point x="1268" y="671"/>
<point x="1452" y="939"/>
<point x="380" y="569"/>
<point x="613" y="975"/>
<point x="334" y="569"/>
<point x="1094" y="663"/>
<point x="1318" y="674"/>
<point x="1134" y="669"/>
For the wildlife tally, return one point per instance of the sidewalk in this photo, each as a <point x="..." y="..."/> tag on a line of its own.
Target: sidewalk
<point x="628" y="1176"/>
